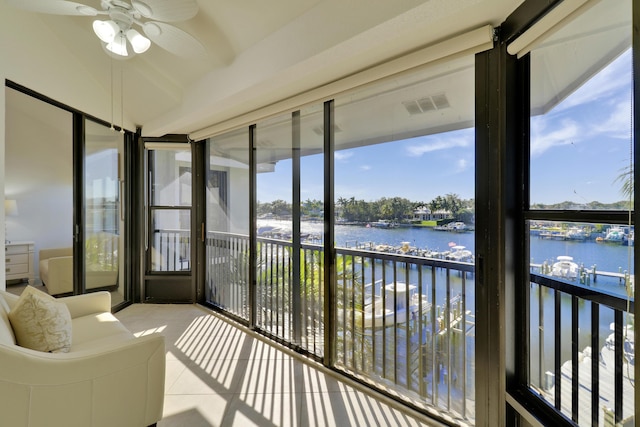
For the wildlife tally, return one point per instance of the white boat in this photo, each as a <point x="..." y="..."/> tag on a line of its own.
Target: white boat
<point x="460" y="253"/>
<point x="576" y="233"/>
<point x="384" y="312"/>
<point x="384" y="223"/>
<point x="565" y="267"/>
<point x="455" y="226"/>
<point x="616" y="235"/>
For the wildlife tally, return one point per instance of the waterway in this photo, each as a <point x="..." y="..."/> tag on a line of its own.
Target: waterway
<point x="606" y="257"/>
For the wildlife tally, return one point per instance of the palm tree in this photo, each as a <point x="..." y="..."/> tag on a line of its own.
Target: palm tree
<point x="626" y="178"/>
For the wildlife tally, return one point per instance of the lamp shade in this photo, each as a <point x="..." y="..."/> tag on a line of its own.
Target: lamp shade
<point x="10" y="207"/>
<point x="105" y="30"/>
<point x="139" y="42"/>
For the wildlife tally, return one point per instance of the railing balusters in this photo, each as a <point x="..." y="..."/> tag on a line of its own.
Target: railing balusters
<point x="407" y="323"/>
<point x="448" y="335"/>
<point x="618" y="357"/>
<point x="464" y="345"/>
<point x="575" y="379"/>
<point x="434" y="342"/>
<point x="557" y="345"/>
<point x="595" y="363"/>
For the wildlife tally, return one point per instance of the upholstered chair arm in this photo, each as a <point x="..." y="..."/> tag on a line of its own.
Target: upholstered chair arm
<point x="47" y="389"/>
<point x="94" y="302"/>
<point x="60" y="275"/>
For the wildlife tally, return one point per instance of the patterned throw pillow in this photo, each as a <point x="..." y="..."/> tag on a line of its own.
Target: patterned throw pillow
<point x="40" y="322"/>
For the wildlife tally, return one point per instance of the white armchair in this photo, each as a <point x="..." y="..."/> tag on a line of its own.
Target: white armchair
<point x="108" y="378"/>
<point x="56" y="270"/>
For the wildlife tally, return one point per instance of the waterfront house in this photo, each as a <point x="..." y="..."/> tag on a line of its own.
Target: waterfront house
<point x="423" y="213"/>
<point x="267" y="86"/>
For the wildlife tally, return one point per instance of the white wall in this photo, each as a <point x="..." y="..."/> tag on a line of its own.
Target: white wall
<point x="38" y="172"/>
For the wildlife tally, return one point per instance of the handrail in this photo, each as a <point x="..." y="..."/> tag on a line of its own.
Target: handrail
<point x="588" y="293"/>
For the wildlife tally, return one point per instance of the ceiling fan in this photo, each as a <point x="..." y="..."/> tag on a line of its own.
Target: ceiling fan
<point x="118" y="34"/>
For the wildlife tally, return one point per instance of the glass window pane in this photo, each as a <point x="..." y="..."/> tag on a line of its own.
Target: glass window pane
<point x="274" y="152"/>
<point x="581" y="158"/>
<point x="170" y="240"/>
<point x="312" y="228"/>
<point x="172" y="177"/>
<point x="103" y="222"/>
<point x="581" y="130"/>
<point x="405" y="187"/>
<point x="228" y="222"/>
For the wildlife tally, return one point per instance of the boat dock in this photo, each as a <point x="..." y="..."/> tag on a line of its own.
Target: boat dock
<point x="586" y="274"/>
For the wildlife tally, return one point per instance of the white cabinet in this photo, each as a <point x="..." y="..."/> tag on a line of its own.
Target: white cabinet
<point x="19" y="261"/>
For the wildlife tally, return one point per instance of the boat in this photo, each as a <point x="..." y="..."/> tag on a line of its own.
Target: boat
<point x="460" y="253"/>
<point x="381" y="312"/>
<point x="616" y="235"/>
<point x="383" y="223"/>
<point x="576" y="233"/>
<point x="565" y="267"/>
<point x="455" y="226"/>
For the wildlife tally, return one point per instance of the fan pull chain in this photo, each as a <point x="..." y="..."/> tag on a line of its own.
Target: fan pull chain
<point x="121" y="101"/>
<point x="111" y="76"/>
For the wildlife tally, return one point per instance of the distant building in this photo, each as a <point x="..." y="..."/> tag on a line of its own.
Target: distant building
<point x="423" y="213"/>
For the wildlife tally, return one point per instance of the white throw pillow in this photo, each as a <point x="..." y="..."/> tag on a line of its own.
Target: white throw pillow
<point x="40" y="322"/>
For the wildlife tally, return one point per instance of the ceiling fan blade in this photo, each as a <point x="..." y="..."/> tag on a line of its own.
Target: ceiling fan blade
<point x="56" y="7"/>
<point x="166" y="10"/>
<point x="173" y="39"/>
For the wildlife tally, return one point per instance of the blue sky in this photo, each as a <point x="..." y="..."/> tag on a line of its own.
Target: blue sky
<point x="578" y="149"/>
<point x="581" y="146"/>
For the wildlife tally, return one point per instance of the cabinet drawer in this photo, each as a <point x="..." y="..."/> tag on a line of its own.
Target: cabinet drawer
<point x="16" y="249"/>
<point x="16" y="269"/>
<point x="16" y="259"/>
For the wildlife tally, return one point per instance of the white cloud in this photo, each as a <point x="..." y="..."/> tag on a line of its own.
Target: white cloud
<point x="439" y="144"/>
<point x="542" y="140"/>
<point x="613" y="77"/>
<point x="462" y="165"/>
<point x="343" y="155"/>
<point x="618" y="124"/>
<point x="365" y="167"/>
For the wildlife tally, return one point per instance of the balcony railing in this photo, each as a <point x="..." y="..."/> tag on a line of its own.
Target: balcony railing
<point x="171" y="250"/>
<point x="406" y="324"/>
<point x="582" y="350"/>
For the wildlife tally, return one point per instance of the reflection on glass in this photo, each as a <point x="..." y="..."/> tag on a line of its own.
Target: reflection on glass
<point x="103" y="221"/>
<point x="172" y="177"/>
<point x="227" y="223"/>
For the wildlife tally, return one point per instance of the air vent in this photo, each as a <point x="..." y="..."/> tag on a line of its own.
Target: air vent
<point x="426" y="104"/>
<point x="440" y="101"/>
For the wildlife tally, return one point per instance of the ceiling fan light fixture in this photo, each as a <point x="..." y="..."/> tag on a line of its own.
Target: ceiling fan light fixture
<point x="139" y="42"/>
<point x="118" y="45"/>
<point x="105" y="30"/>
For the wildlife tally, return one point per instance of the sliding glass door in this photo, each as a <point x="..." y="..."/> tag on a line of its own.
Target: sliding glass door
<point x="103" y="212"/>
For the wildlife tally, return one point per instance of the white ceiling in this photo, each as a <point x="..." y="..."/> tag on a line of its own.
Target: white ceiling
<point x="257" y="53"/>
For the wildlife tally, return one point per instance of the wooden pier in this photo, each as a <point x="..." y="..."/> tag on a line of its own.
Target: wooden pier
<point x="586" y="275"/>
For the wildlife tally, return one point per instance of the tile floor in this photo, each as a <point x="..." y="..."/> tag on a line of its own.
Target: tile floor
<point x="222" y="375"/>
